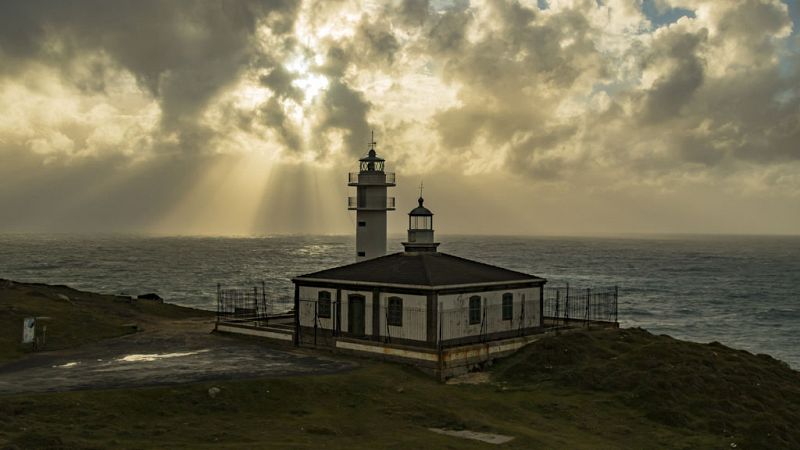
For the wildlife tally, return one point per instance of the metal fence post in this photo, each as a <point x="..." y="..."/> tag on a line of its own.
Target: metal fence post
<point x="265" y="311"/>
<point x="440" y="313"/>
<point x="316" y="319"/>
<point x="588" y="295"/>
<point x="558" y="295"/>
<point x="219" y="304"/>
<point x="616" y="305"/>
<point x="255" y="304"/>
<point x="566" y="307"/>
<point x="297" y="315"/>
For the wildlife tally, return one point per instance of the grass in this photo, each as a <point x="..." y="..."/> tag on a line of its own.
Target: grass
<point x="752" y="399"/>
<point x="378" y="405"/>
<point x="598" y="389"/>
<point x="74" y="317"/>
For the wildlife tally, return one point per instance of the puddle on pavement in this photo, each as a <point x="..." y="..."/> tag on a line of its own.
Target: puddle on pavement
<point x="157" y="356"/>
<point x="66" y="365"/>
<point x="489" y="438"/>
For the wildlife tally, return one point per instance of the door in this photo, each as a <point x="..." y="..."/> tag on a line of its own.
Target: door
<point x="355" y="314"/>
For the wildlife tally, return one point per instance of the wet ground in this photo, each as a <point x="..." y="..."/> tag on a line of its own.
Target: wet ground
<point x="176" y="352"/>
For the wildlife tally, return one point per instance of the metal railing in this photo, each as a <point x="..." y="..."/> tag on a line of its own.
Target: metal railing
<point x="353" y="178"/>
<point x="317" y="321"/>
<point x="249" y="304"/>
<point x="564" y="305"/>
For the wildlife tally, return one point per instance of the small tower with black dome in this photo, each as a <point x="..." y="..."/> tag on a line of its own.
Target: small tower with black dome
<point x="420" y="229"/>
<point x="371" y="204"/>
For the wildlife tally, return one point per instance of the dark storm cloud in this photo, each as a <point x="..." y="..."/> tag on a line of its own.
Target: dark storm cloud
<point x="413" y="13"/>
<point x="280" y="80"/>
<point x="514" y="78"/>
<point x="510" y="76"/>
<point x="184" y="52"/>
<point x="374" y="42"/>
<point x="276" y="119"/>
<point x="448" y="32"/>
<point x="675" y="88"/>
<point x="346" y="109"/>
<point x="133" y="102"/>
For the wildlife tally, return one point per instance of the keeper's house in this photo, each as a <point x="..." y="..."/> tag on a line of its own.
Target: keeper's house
<point x="419" y="297"/>
<point x="438" y="311"/>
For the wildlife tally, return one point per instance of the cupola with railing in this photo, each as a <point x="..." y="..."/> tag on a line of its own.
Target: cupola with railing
<point x="420" y="229"/>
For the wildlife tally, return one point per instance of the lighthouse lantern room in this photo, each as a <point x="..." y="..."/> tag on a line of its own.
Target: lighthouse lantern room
<point x="420" y="229"/>
<point x="371" y="204"/>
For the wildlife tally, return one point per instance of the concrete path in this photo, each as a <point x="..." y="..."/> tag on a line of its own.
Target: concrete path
<point x="177" y="352"/>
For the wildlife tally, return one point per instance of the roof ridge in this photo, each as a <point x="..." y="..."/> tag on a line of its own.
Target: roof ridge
<point x="488" y="265"/>
<point x="421" y="269"/>
<point x="352" y="264"/>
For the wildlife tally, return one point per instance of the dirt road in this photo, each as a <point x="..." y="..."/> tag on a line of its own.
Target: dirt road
<point x="174" y="352"/>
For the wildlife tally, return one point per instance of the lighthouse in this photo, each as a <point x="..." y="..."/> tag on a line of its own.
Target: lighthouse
<point x="371" y="204"/>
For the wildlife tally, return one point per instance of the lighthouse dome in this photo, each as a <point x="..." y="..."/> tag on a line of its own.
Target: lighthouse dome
<point x="420" y="210"/>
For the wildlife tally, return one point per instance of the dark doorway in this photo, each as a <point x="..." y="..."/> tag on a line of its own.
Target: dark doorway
<point x="356" y="305"/>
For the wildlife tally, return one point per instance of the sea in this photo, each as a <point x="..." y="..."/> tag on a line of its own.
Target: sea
<point x="742" y="291"/>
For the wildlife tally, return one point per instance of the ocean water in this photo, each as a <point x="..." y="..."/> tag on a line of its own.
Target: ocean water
<point x="741" y="291"/>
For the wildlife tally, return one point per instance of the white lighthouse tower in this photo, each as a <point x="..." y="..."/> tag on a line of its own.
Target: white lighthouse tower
<point x="371" y="204"/>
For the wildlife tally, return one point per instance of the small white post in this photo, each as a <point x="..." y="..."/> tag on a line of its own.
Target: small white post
<point x="28" y="330"/>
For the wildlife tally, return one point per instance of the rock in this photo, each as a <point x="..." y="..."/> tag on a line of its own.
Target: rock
<point x="66" y="299"/>
<point x="213" y="392"/>
<point x="400" y="390"/>
<point x="151" y="296"/>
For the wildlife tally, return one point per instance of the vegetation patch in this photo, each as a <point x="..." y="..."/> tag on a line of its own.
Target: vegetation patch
<point x="753" y="399"/>
<point x="74" y="317"/>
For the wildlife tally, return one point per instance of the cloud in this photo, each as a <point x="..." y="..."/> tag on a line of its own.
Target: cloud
<point x="579" y="95"/>
<point x="183" y="53"/>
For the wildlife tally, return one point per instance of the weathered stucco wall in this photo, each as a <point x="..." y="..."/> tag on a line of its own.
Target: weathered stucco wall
<point x="453" y="307"/>
<point x="308" y="299"/>
<point x="455" y="312"/>
<point x="414" y="321"/>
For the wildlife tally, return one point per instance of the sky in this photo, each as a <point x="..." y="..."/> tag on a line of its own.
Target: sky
<point x="559" y="117"/>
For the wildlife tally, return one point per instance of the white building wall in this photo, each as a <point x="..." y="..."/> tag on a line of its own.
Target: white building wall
<point x="415" y="320"/>
<point x="307" y="307"/>
<point x="455" y="312"/>
<point x="307" y="311"/>
<point x="453" y="307"/>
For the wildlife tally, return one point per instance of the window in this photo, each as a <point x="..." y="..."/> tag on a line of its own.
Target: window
<point x="361" y="223"/>
<point x="474" y="309"/>
<point x="324" y="305"/>
<point x="394" y="315"/>
<point x="362" y="253"/>
<point x="508" y="306"/>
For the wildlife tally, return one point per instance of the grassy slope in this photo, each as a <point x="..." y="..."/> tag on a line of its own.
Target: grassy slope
<point x="593" y="390"/>
<point x="711" y="388"/>
<point x="376" y="406"/>
<point x="84" y="317"/>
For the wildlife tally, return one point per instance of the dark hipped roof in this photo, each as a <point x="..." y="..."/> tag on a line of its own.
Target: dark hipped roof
<point x="420" y="269"/>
